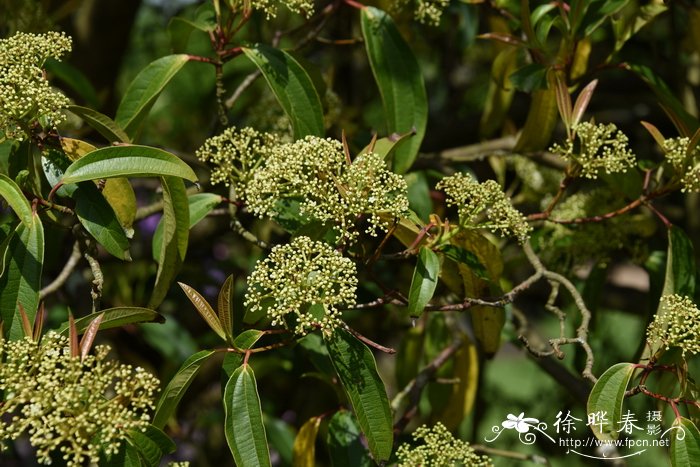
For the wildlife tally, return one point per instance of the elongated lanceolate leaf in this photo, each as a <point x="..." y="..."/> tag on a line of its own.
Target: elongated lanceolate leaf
<point x="243" y="427"/>
<point x="357" y="371"/>
<point x="13" y="196"/>
<point x="115" y="318"/>
<point x="540" y="123"/>
<point x="204" y="309"/>
<point x="176" y="388"/>
<point x="425" y="279"/>
<point x="127" y="161"/>
<point x="685" y="443"/>
<point x="344" y="443"/>
<point x="145" y="89"/>
<point x="176" y="221"/>
<point x="607" y="397"/>
<point x="224" y="307"/>
<point x="101" y="123"/>
<point x="305" y="443"/>
<point x="200" y="204"/>
<point x="293" y="88"/>
<point x="21" y="281"/>
<point x="400" y="83"/>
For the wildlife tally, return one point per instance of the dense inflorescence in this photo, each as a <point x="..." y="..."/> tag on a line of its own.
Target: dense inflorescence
<point x="269" y="7"/>
<point x="25" y="94"/>
<point x="476" y="200"/>
<point x="686" y="164"/>
<point x="439" y="448"/>
<point x="677" y="324"/>
<point x="425" y="11"/>
<point x="597" y="148"/>
<point x="80" y="408"/>
<point x="306" y="279"/>
<point x="236" y="154"/>
<point x="315" y="173"/>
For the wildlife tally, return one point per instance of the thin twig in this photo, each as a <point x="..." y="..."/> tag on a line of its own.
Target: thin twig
<point x="62" y="277"/>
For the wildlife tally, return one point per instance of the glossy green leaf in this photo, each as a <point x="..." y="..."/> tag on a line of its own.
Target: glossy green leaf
<point x="127" y="456"/>
<point x="243" y="427"/>
<point x="280" y="435"/>
<point x="386" y="147"/>
<point x="13" y="196"/>
<point x="99" y="219"/>
<point x="151" y="444"/>
<point x="176" y="221"/>
<point x="180" y="28"/>
<point x="5" y="246"/>
<point x="400" y="83"/>
<point x="200" y="204"/>
<point x="204" y="309"/>
<point x="292" y="87"/>
<point x="463" y="256"/>
<point x="101" y="123"/>
<point x="178" y="385"/>
<point x="530" y="78"/>
<point x="354" y="363"/>
<point x="145" y="89"/>
<point x="127" y="161"/>
<point x="21" y="281"/>
<point x="607" y="397"/>
<point x="116" y="318"/>
<point x="685" y="443"/>
<point x="424" y="282"/>
<point x="345" y="443"/>
<point x="305" y="443"/>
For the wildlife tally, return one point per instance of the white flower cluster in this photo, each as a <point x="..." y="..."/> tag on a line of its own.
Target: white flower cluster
<point x="476" y="200"/>
<point x="676" y="325"/>
<point x="306" y="279"/>
<point x="600" y="148"/>
<point x="686" y="166"/>
<point x="439" y="448"/>
<point x="425" y="11"/>
<point x="25" y="94"/>
<point x="315" y="172"/>
<point x="269" y="7"/>
<point x="79" y="408"/>
<point x="236" y="154"/>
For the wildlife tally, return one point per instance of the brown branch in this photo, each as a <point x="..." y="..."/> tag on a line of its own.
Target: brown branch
<point x="62" y="277"/>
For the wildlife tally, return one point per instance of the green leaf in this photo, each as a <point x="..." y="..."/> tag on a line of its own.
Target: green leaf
<point x="21" y="281"/>
<point x="357" y="371"/>
<point x="425" y="279"/>
<point x="344" y="443"/>
<point x="386" y="147"/>
<point x="530" y="78"/>
<point x="685" y="443"/>
<point x="145" y="89"/>
<point x="151" y="444"/>
<point x="293" y="88"/>
<point x="465" y="257"/>
<point x="680" y="264"/>
<point x="176" y="388"/>
<point x="116" y="318"/>
<point x="13" y="196"/>
<point x="200" y="204"/>
<point x="419" y="194"/>
<point x="204" y="309"/>
<point x="101" y="123"/>
<point x="224" y="307"/>
<point x="99" y="219"/>
<point x="176" y="221"/>
<point x="540" y="123"/>
<point x="180" y="29"/>
<point x="244" y="429"/>
<point x="607" y="397"/>
<point x="127" y="161"/>
<point x="127" y="456"/>
<point x="305" y="443"/>
<point x="244" y="341"/>
<point x="400" y="83"/>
